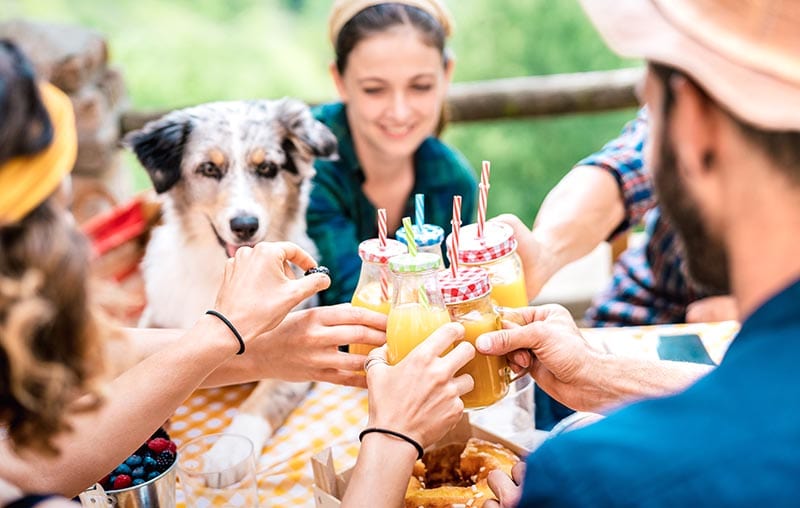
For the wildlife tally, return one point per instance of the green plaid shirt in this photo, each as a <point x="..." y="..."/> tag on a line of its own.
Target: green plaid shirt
<point x="340" y="216"/>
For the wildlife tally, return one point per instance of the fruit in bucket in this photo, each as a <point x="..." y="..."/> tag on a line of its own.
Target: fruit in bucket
<point x="152" y="459"/>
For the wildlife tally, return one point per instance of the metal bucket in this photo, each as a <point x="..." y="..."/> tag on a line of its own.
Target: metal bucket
<point x="156" y="493"/>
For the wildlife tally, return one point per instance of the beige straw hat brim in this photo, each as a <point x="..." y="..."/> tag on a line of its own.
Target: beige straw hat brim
<point x="742" y="53"/>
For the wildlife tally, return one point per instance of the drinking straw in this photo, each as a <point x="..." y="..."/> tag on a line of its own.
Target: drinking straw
<point x="483" y="189"/>
<point x="382" y="228"/>
<point x="419" y="209"/>
<point x="422" y="294"/>
<point x="412" y="244"/>
<point x="452" y="249"/>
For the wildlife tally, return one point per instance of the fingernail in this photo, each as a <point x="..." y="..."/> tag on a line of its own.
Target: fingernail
<point x="483" y="344"/>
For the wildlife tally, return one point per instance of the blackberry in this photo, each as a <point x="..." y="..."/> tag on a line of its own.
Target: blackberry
<point x="164" y="460"/>
<point x="319" y="269"/>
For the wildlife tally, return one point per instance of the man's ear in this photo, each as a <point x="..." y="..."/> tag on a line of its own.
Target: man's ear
<point x="309" y="136"/>
<point x="693" y="126"/>
<point x="159" y="147"/>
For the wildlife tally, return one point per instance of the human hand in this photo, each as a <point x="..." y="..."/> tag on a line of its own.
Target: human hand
<point x="508" y="490"/>
<point x="419" y="397"/>
<point x="538" y="263"/>
<point x="259" y="288"/>
<point x="552" y="347"/>
<point x="712" y="309"/>
<point x="304" y="346"/>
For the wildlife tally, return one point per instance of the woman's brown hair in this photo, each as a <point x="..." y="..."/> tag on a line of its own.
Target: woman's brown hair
<point x="50" y="354"/>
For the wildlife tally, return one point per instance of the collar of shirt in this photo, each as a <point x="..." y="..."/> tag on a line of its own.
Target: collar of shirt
<point x="430" y="159"/>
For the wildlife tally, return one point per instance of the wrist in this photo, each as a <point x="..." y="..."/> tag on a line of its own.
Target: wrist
<point x="390" y="447"/>
<point x="218" y="333"/>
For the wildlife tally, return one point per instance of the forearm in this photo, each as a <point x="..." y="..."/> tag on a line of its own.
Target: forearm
<point x="619" y="380"/>
<point x="580" y="212"/>
<point x="381" y="474"/>
<point x="137" y="403"/>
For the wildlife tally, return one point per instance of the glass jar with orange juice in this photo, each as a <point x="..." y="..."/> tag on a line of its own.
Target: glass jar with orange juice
<point x="374" y="289"/>
<point x="468" y="301"/>
<point x="417" y="307"/>
<point x="497" y="253"/>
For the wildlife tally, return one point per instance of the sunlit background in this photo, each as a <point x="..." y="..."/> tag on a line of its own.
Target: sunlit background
<point x="175" y="53"/>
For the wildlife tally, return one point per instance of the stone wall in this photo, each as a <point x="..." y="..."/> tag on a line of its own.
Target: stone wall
<point x="75" y="59"/>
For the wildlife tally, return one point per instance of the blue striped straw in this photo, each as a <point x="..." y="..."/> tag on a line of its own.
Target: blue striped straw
<point x="419" y="208"/>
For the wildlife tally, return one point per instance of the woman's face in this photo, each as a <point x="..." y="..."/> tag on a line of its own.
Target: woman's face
<point x="394" y="85"/>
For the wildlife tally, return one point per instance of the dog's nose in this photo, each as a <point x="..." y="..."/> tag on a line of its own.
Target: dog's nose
<point x="244" y="226"/>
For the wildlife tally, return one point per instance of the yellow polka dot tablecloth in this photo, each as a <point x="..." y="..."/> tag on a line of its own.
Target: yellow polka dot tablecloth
<point x="329" y="415"/>
<point x="332" y="416"/>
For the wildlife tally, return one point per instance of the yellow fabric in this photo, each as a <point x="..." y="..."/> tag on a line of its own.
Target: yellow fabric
<point x="25" y="182"/>
<point x="344" y="10"/>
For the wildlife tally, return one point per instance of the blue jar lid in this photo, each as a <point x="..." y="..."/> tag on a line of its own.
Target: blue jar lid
<point x="425" y="236"/>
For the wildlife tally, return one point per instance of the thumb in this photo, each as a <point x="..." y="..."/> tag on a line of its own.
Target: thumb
<point x="515" y="222"/>
<point x="311" y="284"/>
<point x="505" y="341"/>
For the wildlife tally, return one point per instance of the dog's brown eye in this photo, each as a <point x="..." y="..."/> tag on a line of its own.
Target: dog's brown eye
<point x="210" y="170"/>
<point x="267" y="169"/>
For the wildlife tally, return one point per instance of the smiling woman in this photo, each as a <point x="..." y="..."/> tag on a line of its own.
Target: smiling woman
<point x="392" y="72"/>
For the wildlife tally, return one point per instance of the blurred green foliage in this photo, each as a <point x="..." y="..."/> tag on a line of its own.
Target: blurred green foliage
<point x="180" y="52"/>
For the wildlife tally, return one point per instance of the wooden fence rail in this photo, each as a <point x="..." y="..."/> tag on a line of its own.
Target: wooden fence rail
<point x="504" y="99"/>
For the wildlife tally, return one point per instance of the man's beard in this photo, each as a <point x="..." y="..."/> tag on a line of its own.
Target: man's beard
<point x="704" y="252"/>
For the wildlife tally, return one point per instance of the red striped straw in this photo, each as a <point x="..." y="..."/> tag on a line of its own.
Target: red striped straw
<point x="382" y="228"/>
<point x="452" y="248"/>
<point x="483" y="189"/>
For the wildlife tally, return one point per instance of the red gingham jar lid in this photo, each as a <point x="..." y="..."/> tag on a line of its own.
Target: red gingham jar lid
<point x="471" y="282"/>
<point x="371" y="250"/>
<point x="498" y="241"/>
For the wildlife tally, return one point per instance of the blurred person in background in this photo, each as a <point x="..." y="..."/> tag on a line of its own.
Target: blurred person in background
<point x="392" y="71"/>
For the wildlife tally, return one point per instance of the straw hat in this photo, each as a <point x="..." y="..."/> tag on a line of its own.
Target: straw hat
<point x="745" y="53"/>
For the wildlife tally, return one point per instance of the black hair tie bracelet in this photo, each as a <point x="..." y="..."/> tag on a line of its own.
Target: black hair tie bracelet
<point x="413" y="443"/>
<point x="233" y="329"/>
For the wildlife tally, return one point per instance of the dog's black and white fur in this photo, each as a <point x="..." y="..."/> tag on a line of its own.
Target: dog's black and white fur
<point x="230" y="174"/>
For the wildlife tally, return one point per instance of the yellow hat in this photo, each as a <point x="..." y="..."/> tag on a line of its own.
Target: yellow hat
<point x="344" y="10"/>
<point x="26" y="181"/>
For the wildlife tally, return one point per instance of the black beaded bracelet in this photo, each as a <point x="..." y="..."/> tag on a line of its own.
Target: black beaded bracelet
<point x="416" y="445"/>
<point x="230" y="325"/>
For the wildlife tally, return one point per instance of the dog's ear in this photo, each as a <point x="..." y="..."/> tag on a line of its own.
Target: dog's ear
<point x="307" y="134"/>
<point x="159" y="147"/>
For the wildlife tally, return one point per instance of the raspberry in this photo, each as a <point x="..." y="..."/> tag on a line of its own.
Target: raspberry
<point x="160" y="433"/>
<point x="318" y="269"/>
<point x="122" y="481"/>
<point x="172" y="447"/>
<point x="158" y="444"/>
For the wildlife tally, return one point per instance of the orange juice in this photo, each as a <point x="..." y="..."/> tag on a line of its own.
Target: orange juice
<point x="490" y="373"/>
<point x="410" y="324"/>
<point x="369" y="297"/>
<point x="510" y="294"/>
